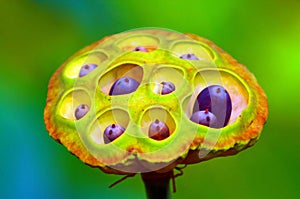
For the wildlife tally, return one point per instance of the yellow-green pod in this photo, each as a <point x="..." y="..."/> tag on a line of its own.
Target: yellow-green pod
<point x="150" y="57"/>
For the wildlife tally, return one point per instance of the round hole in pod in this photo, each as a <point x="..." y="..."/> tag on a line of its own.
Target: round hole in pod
<point x="157" y="123"/>
<point x="216" y="101"/>
<point x="191" y="50"/>
<point x="71" y="101"/>
<point x="105" y="121"/>
<point x="132" y="71"/>
<point x="131" y="42"/>
<point x="167" y="80"/>
<point x="76" y="67"/>
<point x="226" y="80"/>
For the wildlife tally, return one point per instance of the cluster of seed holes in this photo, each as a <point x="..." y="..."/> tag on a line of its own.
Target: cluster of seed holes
<point x="126" y="79"/>
<point x="156" y="123"/>
<point x="160" y="125"/>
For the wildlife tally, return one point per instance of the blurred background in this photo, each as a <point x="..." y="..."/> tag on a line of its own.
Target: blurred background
<point x="37" y="36"/>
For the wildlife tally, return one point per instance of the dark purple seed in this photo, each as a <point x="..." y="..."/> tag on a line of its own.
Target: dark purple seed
<point x="112" y="132"/>
<point x="158" y="130"/>
<point x="189" y="56"/>
<point x="123" y="86"/>
<point x="86" y="69"/>
<point x="140" y="48"/>
<point x="81" y="110"/>
<point x="167" y="87"/>
<point x="205" y="118"/>
<point x="217" y="100"/>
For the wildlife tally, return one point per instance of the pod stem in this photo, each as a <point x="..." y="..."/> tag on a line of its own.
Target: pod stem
<point x="157" y="184"/>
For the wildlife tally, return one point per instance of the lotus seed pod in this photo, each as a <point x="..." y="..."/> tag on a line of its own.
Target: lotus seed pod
<point x="205" y="118"/>
<point x="217" y="100"/>
<point x="123" y="86"/>
<point x="112" y="132"/>
<point x="120" y="90"/>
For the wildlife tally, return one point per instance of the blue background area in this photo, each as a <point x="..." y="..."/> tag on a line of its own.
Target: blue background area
<point x="38" y="36"/>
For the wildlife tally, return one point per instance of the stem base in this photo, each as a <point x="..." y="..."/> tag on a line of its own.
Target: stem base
<point x="157" y="184"/>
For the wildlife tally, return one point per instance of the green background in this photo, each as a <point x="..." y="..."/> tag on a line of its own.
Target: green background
<point x="37" y="36"/>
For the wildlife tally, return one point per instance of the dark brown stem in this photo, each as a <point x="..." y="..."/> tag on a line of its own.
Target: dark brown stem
<point x="157" y="184"/>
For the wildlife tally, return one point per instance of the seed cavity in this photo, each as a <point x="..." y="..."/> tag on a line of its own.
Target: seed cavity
<point x="167" y="87"/>
<point x="140" y="49"/>
<point x="158" y="130"/>
<point x="189" y="56"/>
<point x="216" y="100"/>
<point x="124" y="85"/>
<point x="109" y="80"/>
<point x="86" y="69"/>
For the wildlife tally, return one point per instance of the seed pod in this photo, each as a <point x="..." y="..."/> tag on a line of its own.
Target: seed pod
<point x="241" y="123"/>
